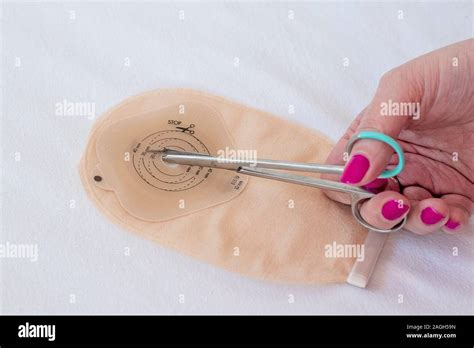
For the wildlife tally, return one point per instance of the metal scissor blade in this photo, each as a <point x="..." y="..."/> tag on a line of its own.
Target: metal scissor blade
<point x="306" y="181"/>
<point x="205" y="160"/>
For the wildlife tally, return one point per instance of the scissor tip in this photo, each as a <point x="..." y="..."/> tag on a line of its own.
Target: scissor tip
<point x="160" y="151"/>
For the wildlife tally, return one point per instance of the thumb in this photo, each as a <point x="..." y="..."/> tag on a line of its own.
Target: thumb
<point x="395" y="97"/>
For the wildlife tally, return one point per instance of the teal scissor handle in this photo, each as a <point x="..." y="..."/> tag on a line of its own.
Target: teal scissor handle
<point x="384" y="139"/>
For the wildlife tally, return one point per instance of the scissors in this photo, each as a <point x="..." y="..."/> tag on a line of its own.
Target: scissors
<point x="268" y="169"/>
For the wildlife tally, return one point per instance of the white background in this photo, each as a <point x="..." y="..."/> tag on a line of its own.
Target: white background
<point x="282" y="62"/>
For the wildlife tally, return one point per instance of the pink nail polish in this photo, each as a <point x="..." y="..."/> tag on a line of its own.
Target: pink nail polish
<point x="376" y="186"/>
<point x="451" y="224"/>
<point x="355" y="170"/>
<point x="393" y="210"/>
<point x="430" y="216"/>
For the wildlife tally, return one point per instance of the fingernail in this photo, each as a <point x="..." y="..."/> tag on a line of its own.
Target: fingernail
<point x="451" y="224"/>
<point x="376" y="186"/>
<point x="355" y="170"/>
<point x="393" y="210"/>
<point x="430" y="216"/>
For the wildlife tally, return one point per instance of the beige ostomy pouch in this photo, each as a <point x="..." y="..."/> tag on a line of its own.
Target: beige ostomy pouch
<point x="260" y="228"/>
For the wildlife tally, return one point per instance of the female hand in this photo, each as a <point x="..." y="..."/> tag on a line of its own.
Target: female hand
<point x="427" y="105"/>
